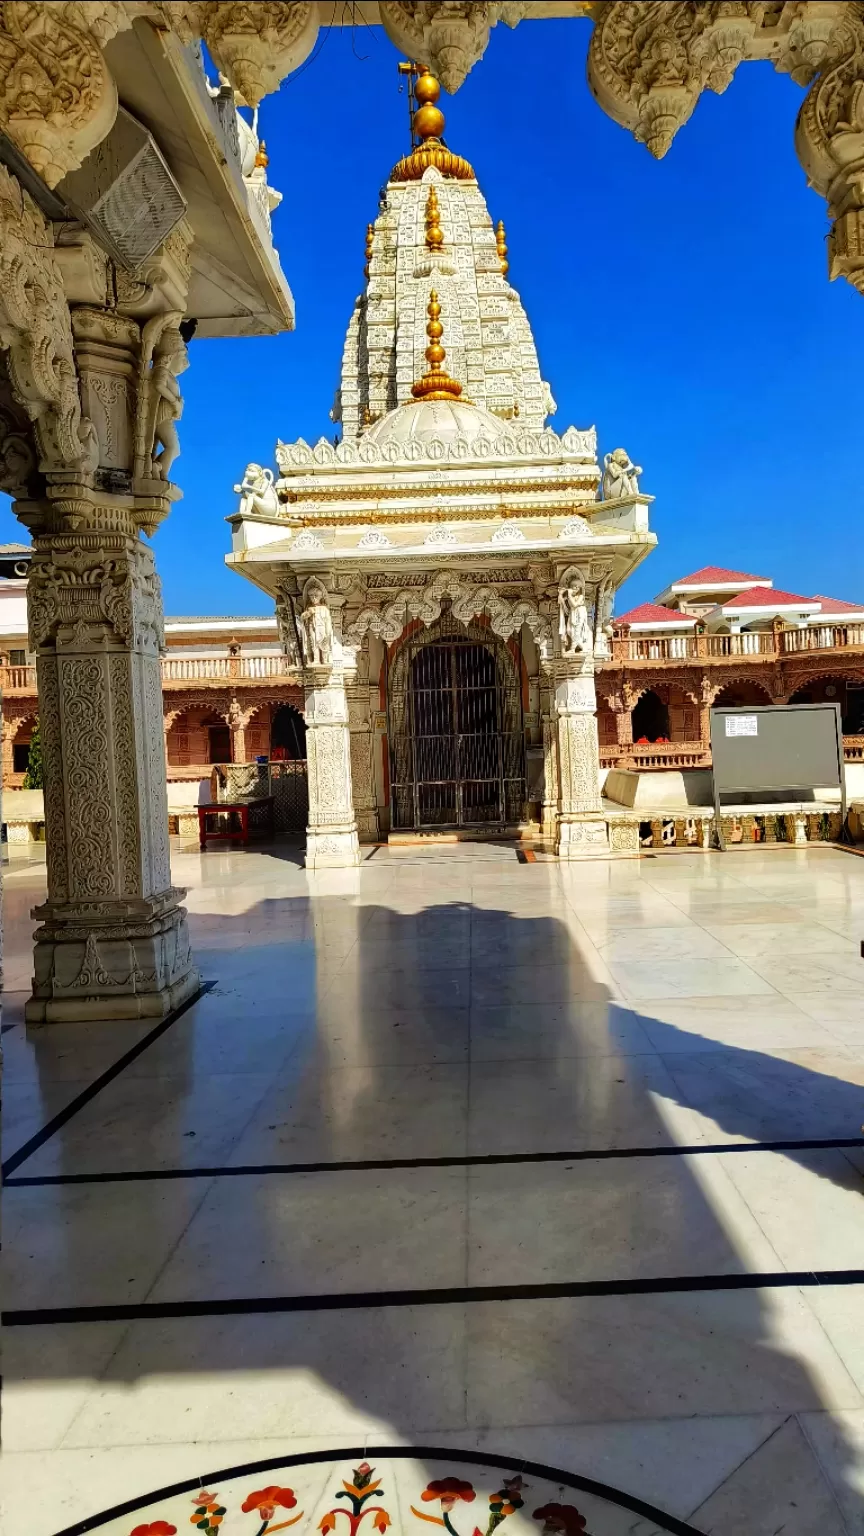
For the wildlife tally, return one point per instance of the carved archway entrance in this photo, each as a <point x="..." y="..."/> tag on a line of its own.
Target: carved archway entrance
<point x="457" y="744"/>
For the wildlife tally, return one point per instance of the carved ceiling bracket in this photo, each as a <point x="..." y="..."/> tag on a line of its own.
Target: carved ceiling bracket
<point x="650" y="60"/>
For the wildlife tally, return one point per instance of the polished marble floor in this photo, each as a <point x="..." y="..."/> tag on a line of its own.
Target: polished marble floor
<point x="563" y="1164"/>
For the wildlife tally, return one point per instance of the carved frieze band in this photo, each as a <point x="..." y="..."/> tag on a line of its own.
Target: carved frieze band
<point x="77" y="592"/>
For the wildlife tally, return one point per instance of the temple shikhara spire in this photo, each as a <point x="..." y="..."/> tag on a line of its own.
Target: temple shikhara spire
<point x="434" y="229"/>
<point x="449" y="542"/>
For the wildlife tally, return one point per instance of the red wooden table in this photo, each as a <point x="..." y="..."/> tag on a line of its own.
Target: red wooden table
<point x="240" y="808"/>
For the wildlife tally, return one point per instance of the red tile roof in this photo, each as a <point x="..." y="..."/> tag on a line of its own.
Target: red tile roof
<point x="767" y="597"/>
<point x="713" y="575"/>
<point x="837" y="604"/>
<point x="652" y="613"/>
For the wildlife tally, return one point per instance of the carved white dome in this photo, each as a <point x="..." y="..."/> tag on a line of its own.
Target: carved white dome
<point x="423" y="421"/>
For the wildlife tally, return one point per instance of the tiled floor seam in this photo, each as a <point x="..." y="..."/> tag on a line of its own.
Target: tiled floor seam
<point x="801" y="1421"/>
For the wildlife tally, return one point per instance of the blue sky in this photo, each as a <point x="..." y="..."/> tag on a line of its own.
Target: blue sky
<point x="682" y="307"/>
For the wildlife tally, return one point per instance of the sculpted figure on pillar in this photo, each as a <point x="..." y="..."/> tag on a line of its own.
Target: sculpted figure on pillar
<point x="620" y="475"/>
<point x="574" y="629"/>
<point x="316" y="625"/>
<point x="170" y="358"/>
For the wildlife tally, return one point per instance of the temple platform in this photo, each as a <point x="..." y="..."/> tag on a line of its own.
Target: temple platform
<point x="464" y="1167"/>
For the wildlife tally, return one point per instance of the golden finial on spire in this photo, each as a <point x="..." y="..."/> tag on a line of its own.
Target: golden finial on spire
<point x="501" y="242"/>
<point x="428" y="120"/>
<point x="262" y="159"/>
<point x="435" y="383"/>
<point x="434" y="232"/>
<point x="427" y="126"/>
<point x="370" y="239"/>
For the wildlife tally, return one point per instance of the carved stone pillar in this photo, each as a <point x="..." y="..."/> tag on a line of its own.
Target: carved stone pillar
<point x="550" y="776"/>
<point x="331" y="836"/>
<point x="113" y="942"/>
<point x="581" y="831"/>
<point x="360" y="716"/>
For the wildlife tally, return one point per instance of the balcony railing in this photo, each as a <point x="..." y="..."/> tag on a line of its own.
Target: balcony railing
<point x="179" y="671"/>
<point x="18" y="679"/>
<point x="249" y="668"/>
<point x="643" y="758"/>
<point x="765" y="644"/>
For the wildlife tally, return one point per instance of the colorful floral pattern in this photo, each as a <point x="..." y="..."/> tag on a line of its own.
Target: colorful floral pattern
<point x="265" y="1504"/>
<point x="564" y="1518"/>
<point x="366" y="1502"/>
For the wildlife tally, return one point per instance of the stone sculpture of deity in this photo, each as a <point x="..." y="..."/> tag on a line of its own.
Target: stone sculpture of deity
<point x="169" y="359"/>
<point x="620" y="475"/>
<point x="573" y="627"/>
<point x="316" y="626"/>
<point x="256" y="491"/>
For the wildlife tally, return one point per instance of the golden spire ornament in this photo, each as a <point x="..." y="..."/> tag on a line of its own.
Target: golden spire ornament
<point x="427" y="127"/>
<point x="434" y="232"/>
<point x="370" y="238"/>
<point x="435" y="383"/>
<point x="501" y="243"/>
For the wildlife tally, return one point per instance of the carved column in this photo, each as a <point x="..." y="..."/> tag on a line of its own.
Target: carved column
<point x="360" y="712"/>
<point x="550" y="775"/>
<point x="113" y="942"/>
<point x="331" y="836"/>
<point x="581" y="831"/>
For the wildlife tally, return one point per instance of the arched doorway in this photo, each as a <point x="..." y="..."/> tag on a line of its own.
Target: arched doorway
<point x="848" y="692"/>
<point x="650" y="718"/>
<point x="457" y="745"/>
<point x="740" y="693"/>
<point x="287" y="735"/>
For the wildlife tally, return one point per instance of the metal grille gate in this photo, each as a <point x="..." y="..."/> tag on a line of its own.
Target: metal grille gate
<point x="457" y="745"/>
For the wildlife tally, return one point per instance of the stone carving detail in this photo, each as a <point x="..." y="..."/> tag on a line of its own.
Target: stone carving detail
<point x="35" y="328"/>
<point x="575" y="528"/>
<point x="78" y="588"/>
<point x="309" y="541"/>
<point x="52" y="750"/>
<point x="451" y="34"/>
<point x="17" y="459"/>
<point x="468" y="601"/>
<point x="374" y="539"/>
<point x="574" y="630"/>
<point x="829" y="137"/>
<point x="149" y="709"/>
<point x="580" y="446"/>
<point x="649" y="60"/>
<point x="57" y="97"/>
<point x="316" y="625"/>
<point x="257" y="492"/>
<point x="620" y="475"/>
<point x="440" y="538"/>
<point x="256" y="43"/>
<point x="124" y="756"/>
<point x="508" y="533"/>
<point x="85" y="776"/>
<point x="160" y="404"/>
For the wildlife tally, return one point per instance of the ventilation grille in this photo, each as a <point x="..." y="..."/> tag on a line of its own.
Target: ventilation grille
<point x="126" y="194"/>
<point x="140" y="209"/>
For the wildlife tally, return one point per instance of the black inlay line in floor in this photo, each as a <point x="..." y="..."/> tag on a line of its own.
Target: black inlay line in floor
<point x="146" y="1311"/>
<point x="478" y="1160"/>
<point x="65" y="1115"/>
<point x="348" y="1455"/>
